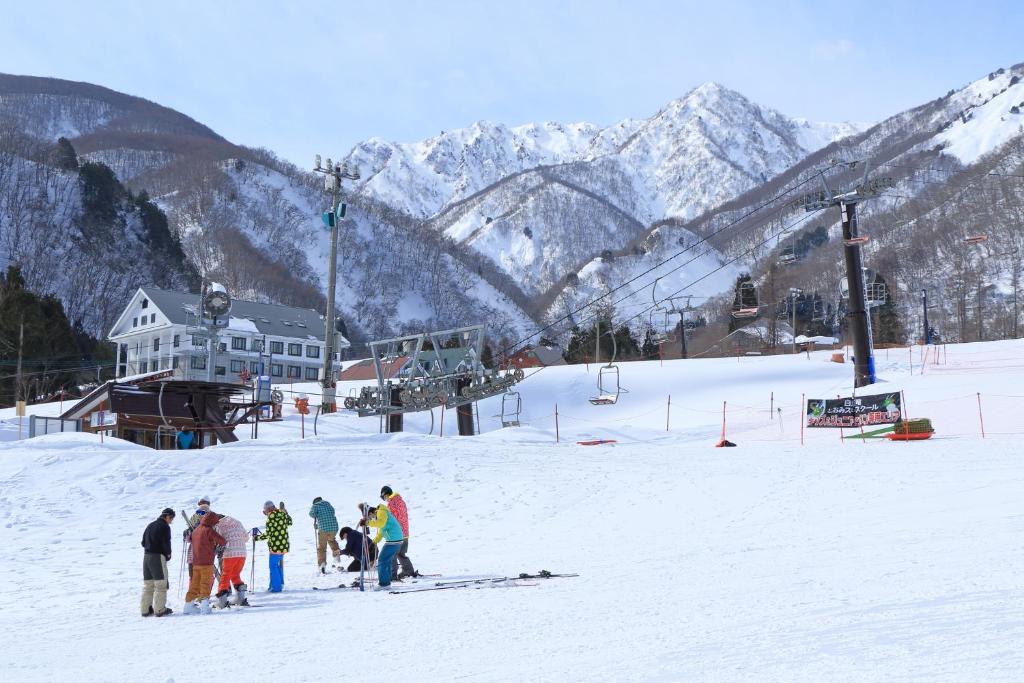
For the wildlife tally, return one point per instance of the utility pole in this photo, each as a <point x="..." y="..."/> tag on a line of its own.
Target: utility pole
<point x="17" y="377"/>
<point x="864" y="362"/>
<point x="924" y="306"/>
<point x="597" y="340"/>
<point x="793" y="293"/>
<point x="682" y="334"/>
<point x="333" y="175"/>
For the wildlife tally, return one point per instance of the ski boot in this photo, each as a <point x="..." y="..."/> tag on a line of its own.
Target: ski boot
<point x="190" y="608"/>
<point x="323" y="567"/>
<point x="222" y="599"/>
<point x="204" y="606"/>
<point x="166" y="611"/>
<point x="149" y="613"/>
<point x="240" y="599"/>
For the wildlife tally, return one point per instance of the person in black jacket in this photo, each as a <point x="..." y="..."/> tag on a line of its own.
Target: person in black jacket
<point x="353" y="541"/>
<point x="156" y="542"/>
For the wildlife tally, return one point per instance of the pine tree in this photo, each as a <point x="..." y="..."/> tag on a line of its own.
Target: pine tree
<point x="64" y="156"/>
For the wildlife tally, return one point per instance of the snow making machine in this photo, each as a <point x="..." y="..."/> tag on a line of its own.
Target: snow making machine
<point x="424" y="371"/>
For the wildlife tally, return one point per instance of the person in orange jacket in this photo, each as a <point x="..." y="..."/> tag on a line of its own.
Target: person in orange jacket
<point x="205" y="540"/>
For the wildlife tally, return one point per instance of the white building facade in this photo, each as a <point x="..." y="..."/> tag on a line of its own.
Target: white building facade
<point x="155" y="332"/>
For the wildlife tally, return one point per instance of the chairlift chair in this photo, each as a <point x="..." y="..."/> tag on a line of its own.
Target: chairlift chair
<point x="747" y="302"/>
<point x="608" y="385"/>
<point x="511" y="407"/>
<point x="858" y="240"/>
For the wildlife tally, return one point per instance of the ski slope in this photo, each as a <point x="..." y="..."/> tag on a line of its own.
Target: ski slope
<point x="833" y="560"/>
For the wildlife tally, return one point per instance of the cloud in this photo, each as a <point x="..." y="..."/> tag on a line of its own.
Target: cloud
<point x="834" y="49"/>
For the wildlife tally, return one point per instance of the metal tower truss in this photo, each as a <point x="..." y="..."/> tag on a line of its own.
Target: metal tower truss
<point x="411" y="378"/>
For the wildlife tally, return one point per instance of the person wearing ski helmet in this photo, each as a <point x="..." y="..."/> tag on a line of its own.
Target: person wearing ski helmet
<point x="390" y="530"/>
<point x="397" y="508"/>
<point x="326" y="523"/>
<point x="156" y="544"/>
<point x="205" y="540"/>
<point x="276" y="536"/>
<point x="202" y="507"/>
<point x="232" y="561"/>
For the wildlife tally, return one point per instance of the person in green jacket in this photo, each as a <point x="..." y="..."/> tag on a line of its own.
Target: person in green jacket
<point x="326" y="524"/>
<point x="276" y="536"/>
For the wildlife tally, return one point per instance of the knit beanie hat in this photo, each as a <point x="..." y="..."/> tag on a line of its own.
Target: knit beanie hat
<point x="268" y="505"/>
<point x="204" y="499"/>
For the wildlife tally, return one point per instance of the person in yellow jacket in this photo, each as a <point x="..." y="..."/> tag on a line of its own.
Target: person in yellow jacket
<point x="390" y="531"/>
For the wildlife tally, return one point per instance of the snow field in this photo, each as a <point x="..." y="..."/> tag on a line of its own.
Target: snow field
<point x="770" y="561"/>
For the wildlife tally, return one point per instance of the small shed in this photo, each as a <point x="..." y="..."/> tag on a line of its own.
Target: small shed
<point x="152" y="413"/>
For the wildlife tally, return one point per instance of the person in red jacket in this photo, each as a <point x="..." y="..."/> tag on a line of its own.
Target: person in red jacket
<point x="398" y="510"/>
<point x="205" y="540"/>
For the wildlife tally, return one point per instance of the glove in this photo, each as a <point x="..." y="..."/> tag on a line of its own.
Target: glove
<point x="281" y="505"/>
<point x="167" y="557"/>
<point x="362" y="522"/>
<point x="255" y="531"/>
<point x="186" y="535"/>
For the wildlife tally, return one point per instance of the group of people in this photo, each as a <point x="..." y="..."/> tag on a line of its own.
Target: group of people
<point x="211" y="535"/>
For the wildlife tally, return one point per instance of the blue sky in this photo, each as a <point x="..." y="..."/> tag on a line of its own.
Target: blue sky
<point x="306" y="77"/>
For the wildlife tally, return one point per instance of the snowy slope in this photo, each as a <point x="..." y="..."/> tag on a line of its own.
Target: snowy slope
<point x="771" y="561"/>
<point x="986" y="121"/>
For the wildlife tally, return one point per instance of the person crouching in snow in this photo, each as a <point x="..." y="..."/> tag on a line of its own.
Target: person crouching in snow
<point x="390" y="530"/>
<point x="354" y="541"/>
<point x="156" y="542"/>
<point x="326" y="524"/>
<point x="276" y="536"/>
<point x="205" y="540"/>
<point x="233" y="561"/>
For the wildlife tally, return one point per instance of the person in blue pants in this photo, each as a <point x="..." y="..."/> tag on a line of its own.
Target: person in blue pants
<point x="390" y="530"/>
<point x="276" y="536"/>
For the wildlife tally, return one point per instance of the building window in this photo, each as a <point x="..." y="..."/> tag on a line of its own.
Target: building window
<point x="145" y="303"/>
<point x="276" y="369"/>
<point x="135" y="322"/>
<point x="237" y="365"/>
<point x="312" y="373"/>
<point x="152" y="318"/>
<point x="177" y="340"/>
<point x="294" y="372"/>
<point x="254" y="368"/>
<point x="277" y="347"/>
<point x="222" y="347"/>
<point x="198" y="362"/>
<point x="295" y="349"/>
<point x="258" y="345"/>
<point x="174" y="362"/>
<point x="312" y="352"/>
<point x="156" y="344"/>
<point x="143" y="366"/>
<point x="220" y="370"/>
<point x="238" y="343"/>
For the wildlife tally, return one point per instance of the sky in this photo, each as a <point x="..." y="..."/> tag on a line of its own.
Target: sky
<point x="308" y="77"/>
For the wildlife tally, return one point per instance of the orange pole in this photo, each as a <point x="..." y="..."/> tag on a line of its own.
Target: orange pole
<point x="303" y="416"/>
<point x="904" y="411"/>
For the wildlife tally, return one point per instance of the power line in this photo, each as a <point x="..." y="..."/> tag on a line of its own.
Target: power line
<point x="699" y="242"/>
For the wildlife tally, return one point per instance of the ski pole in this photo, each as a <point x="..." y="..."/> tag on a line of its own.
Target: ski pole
<point x="252" y="567"/>
<point x="181" y="569"/>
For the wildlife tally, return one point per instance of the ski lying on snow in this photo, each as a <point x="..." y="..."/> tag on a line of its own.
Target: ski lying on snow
<point x="509" y="582"/>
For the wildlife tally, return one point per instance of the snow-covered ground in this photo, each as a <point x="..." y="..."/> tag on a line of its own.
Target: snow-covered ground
<point x="833" y="560"/>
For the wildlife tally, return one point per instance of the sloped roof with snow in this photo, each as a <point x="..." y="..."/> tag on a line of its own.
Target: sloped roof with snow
<point x="269" y="319"/>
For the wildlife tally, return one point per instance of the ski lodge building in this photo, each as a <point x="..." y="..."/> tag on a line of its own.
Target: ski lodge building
<point x="154" y="332"/>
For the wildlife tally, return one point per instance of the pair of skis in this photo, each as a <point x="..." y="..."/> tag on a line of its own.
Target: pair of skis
<point x="508" y="581"/>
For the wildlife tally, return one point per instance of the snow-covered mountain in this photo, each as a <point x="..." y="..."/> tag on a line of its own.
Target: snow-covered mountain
<point x="510" y="226"/>
<point x="694" y="153"/>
